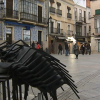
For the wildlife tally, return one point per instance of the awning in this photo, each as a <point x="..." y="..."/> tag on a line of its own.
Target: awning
<point x="20" y="24"/>
<point x="61" y="37"/>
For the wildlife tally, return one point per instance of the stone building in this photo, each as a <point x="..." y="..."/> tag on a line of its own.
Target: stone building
<point x="61" y="26"/>
<point x="95" y="26"/>
<point x="23" y="19"/>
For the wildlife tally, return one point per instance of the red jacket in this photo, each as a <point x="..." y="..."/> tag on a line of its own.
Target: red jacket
<point x="38" y="46"/>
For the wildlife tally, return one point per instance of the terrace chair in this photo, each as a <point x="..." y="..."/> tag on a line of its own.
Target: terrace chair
<point x="45" y="82"/>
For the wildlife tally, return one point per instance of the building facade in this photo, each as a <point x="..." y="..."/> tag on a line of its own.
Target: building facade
<point x="61" y="26"/>
<point x="95" y="26"/>
<point x="24" y="19"/>
<point x="82" y="23"/>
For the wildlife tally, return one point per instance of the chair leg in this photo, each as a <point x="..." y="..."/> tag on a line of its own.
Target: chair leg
<point x="4" y="90"/>
<point x="20" y="91"/>
<point x="8" y="86"/>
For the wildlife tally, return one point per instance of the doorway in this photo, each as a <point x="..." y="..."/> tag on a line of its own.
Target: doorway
<point x="40" y="37"/>
<point x="9" y="35"/>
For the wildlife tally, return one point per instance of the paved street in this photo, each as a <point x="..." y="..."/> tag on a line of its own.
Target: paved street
<point x="85" y="72"/>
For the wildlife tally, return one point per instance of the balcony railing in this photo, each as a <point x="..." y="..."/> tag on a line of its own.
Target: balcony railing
<point x="33" y="18"/>
<point x="69" y="15"/>
<point x="70" y="33"/>
<point x="28" y="17"/>
<point x="97" y="30"/>
<point x="78" y="34"/>
<point x="59" y="12"/>
<point x="42" y="20"/>
<point x="55" y="30"/>
<point x="9" y="13"/>
<point x="52" y="9"/>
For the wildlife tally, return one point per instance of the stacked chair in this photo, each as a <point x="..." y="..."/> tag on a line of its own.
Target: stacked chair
<point x="31" y="67"/>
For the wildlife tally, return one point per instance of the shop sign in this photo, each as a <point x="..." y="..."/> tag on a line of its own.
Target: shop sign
<point x="80" y="39"/>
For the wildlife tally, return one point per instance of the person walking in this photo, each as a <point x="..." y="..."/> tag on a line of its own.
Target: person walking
<point x="66" y="48"/>
<point x="83" y="49"/>
<point x="33" y="45"/>
<point x="60" y="49"/>
<point x="38" y="46"/>
<point x="89" y="48"/>
<point x="76" y="49"/>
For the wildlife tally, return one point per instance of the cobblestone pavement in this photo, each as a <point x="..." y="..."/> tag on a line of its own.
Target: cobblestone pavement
<point x="85" y="71"/>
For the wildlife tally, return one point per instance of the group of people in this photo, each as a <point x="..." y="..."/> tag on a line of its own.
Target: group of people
<point x="84" y="49"/>
<point x="67" y="48"/>
<point x="36" y="45"/>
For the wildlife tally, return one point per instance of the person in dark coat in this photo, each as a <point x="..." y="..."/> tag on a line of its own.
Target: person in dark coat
<point x="89" y="48"/>
<point x="76" y="49"/>
<point x="33" y="45"/>
<point x="60" y="49"/>
<point x="66" y="48"/>
<point x="83" y="49"/>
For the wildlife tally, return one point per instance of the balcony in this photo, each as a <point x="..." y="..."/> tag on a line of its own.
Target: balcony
<point x="52" y="9"/>
<point x="42" y="20"/>
<point x="69" y="15"/>
<point x="9" y="13"/>
<point x="33" y="18"/>
<point x="78" y="34"/>
<point x="56" y="31"/>
<point x="97" y="30"/>
<point x="28" y="17"/>
<point x="59" y="12"/>
<point x="70" y="33"/>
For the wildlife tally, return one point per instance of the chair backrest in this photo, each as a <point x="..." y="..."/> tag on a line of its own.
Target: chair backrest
<point x="21" y="53"/>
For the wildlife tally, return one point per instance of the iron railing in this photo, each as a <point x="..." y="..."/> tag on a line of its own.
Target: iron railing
<point x="52" y="9"/>
<point x="59" y="12"/>
<point x="9" y="13"/>
<point x="97" y="30"/>
<point x="32" y="17"/>
<point x="78" y="34"/>
<point x="55" y="30"/>
<point x="27" y="16"/>
<point x="69" y="15"/>
<point x="70" y="32"/>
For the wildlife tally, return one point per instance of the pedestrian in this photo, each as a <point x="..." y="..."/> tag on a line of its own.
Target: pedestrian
<point x="38" y="46"/>
<point x="76" y="49"/>
<point x="83" y="48"/>
<point x="60" y="49"/>
<point x="69" y="48"/>
<point x="33" y="44"/>
<point x="89" y="48"/>
<point x="66" y="48"/>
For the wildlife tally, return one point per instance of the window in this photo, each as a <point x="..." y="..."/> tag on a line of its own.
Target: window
<point x="80" y="15"/>
<point x="89" y="15"/>
<point x="29" y="6"/>
<point x="27" y="36"/>
<point x="68" y="9"/>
